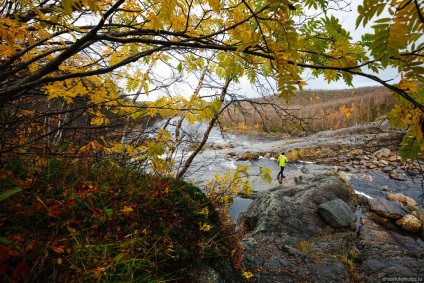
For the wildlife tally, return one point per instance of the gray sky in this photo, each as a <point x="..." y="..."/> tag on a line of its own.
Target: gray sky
<point x="348" y="21"/>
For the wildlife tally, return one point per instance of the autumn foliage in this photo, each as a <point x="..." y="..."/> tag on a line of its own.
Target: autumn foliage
<point x="67" y="66"/>
<point x="82" y="83"/>
<point x="310" y="112"/>
<point x="73" y="223"/>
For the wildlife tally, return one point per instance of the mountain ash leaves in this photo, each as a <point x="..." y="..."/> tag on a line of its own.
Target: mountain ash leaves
<point x="112" y="54"/>
<point x="397" y="42"/>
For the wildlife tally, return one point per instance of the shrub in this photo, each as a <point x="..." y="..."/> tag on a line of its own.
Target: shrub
<point x="79" y="222"/>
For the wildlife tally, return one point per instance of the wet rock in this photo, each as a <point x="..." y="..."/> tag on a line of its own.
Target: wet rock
<point x="298" y="180"/>
<point x="286" y="240"/>
<point x="387" y="169"/>
<point x="304" y="170"/>
<point x="410" y="223"/>
<point x="384" y="152"/>
<point x="336" y="213"/>
<point x="247" y="156"/>
<point x="284" y="232"/>
<point x="419" y="213"/>
<point x="385" y="252"/>
<point x="387" y="208"/>
<point x="395" y="175"/>
<point x="406" y="201"/>
<point x="217" y="272"/>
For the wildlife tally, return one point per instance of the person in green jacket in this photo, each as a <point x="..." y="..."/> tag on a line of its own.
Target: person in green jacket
<point x="282" y="160"/>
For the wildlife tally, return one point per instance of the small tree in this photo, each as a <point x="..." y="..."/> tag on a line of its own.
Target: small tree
<point x="109" y="54"/>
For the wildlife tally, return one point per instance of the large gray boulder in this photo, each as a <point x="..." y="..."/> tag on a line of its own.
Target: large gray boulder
<point x="336" y="213"/>
<point x="387" y="252"/>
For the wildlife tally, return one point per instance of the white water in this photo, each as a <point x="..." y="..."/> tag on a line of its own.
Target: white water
<point x="212" y="161"/>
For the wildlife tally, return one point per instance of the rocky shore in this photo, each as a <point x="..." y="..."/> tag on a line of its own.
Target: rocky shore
<point x="287" y="238"/>
<point x="317" y="228"/>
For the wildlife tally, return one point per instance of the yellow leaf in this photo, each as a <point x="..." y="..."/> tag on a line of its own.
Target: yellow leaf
<point x="204" y="227"/>
<point x="127" y="210"/>
<point x="248" y="274"/>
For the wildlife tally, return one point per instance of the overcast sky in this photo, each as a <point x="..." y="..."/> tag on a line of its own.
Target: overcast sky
<point x="349" y="22"/>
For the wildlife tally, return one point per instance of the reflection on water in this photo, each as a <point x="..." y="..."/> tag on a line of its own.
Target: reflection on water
<point x="239" y="205"/>
<point x="380" y="185"/>
<point x="359" y="215"/>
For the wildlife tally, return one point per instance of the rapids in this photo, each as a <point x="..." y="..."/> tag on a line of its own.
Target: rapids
<point x="220" y="156"/>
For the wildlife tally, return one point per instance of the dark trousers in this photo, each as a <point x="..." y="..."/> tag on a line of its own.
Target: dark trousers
<point x="281" y="172"/>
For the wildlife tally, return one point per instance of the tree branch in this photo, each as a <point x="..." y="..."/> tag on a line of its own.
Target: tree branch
<point x="190" y="159"/>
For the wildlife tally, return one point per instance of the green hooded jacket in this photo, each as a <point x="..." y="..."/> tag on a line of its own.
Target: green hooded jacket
<point x="282" y="159"/>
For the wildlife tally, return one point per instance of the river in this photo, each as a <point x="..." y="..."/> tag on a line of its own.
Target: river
<point x="218" y="157"/>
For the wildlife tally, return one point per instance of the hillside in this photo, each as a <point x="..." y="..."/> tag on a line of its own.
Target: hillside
<point x="309" y="112"/>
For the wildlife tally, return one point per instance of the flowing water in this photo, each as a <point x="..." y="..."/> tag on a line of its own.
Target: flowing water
<point x="212" y="161"/>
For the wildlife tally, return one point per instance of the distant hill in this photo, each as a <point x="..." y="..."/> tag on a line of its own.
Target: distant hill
<point x="310" y="111"/>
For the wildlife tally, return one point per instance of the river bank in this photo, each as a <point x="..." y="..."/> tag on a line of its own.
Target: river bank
<point x="351" y="152"/>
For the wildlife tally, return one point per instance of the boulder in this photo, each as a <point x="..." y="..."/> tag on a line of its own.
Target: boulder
<point x="336" y="213"/>
<point x="406" y="201"/>
<point x="387" y="208"/>
<point x="384" y="152"/>
<point x="410" y="223"/>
